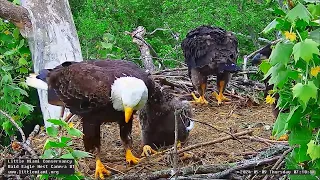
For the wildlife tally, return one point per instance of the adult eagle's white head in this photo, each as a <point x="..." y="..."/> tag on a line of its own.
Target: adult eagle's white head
<point x="128" y="94"/>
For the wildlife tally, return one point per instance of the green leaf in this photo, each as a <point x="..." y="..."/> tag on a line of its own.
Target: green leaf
<point x="264" y="67"/>
<point x="314" y="35"/>
<point x="298" y="12"/>
<point x="23" y="70"/>
<point x="314" y="9"/>
<point x="281" y="53"/>
<point x="6" y="79"/>
<point x="52" y="131"/>
<point x="313" y="150"/>
<point x="10" y="52"/>
<point x="305" y="50"/>
<point x="270" y="26"/>
<point x="58" y="122"/>
<point x="280" y="125"/>
<point x="300" y="135"/>
<point x="299" y="154"/>
<point x="22" y="61"/>
<point x="7" y="68"/>
<point x="21" y="43"/>
<point x="7" y="126"/>
<point x="305" y="92"/>
<point x="48" y="154"/>
<point x="75" y="132"/>
<point x="106" y="45"/>
<point x="51" y="144"/>
<point x="80" y="154"/>
<point x="315" y="118"/>
<point x="302" y="177"/>
<point x="64" y="139"/>
<point x="16" y="33"/>
<point x="67" y="156"/>
<point x="25" y="108"/>
<point x="294" y="117"/>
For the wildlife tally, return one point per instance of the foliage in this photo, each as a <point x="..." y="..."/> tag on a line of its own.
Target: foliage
<point x="95" y="19"/>
<point x="293" y="69"/>
<point x="60" y="147"/>
<point x="15" y="63"/>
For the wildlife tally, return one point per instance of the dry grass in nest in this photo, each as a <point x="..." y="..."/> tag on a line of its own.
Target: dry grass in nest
<point x="228" y="118"/>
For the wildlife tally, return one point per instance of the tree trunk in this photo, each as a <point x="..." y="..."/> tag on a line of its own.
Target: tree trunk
<point x="52" y="39"/>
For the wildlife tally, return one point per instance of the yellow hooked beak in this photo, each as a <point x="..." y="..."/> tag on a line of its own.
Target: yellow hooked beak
<point x="128" y="113"/>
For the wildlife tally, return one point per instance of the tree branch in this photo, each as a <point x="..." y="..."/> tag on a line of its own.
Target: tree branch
<point x="15" y="14"/>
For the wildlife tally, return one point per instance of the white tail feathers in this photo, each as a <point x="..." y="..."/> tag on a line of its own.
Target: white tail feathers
<point x="36" y="83"/>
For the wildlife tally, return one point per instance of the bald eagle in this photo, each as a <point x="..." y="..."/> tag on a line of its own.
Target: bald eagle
<point x="261" y="55"/>
<point x="157" y="119"/>
<point x="210" y="51"/>
<point x="99" y="91"/>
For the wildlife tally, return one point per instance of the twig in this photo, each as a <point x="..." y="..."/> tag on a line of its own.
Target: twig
<point x="32" y="134"/>
<point x="259" y="139"/>
<point x="15" y="124"/>
<point x="219" y="140"/>
<point x="207" y="124"/>
<point x="158" y="29"/>
<point x="236" y="168"/>
<point x="255" y="52"/>
<point x="278" y="162"/>
<point x="23" y="143"/>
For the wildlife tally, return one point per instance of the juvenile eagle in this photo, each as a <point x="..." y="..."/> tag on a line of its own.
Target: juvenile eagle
<point x="261" y="55"/>
<point x="99" y="91"/>
<point x="157" y="119"/>
<point x="210" y="51"/>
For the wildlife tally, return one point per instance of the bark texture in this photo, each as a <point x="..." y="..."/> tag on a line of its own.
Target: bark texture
<point x="53" y="40"/>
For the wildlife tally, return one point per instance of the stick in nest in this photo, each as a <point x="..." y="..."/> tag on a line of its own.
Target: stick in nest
<point x="235" y="138"/>
<point x="23" y="143"/>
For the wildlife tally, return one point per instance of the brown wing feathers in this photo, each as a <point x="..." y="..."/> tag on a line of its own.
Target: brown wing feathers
<point x="81" y="86"/>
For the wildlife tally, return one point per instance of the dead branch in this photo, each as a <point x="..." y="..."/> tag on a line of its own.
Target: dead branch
<point x="23" y="143"/>
<point x="158" y="29"/>
<point x="32" y="134"/>
<point x="183" y="171"/>
<point x="219" y="140"/>
<point x="259" y="139"/>
<point x="15" y="14"/>
<point x="23" y="136"/>
<point x="238" y="167"/>
<point x="145" y="48"/>
<point x="275" y="166"/>
<point x="255" y="52"/>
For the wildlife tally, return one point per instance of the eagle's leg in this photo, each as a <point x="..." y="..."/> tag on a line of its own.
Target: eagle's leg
<point x="147" y="151"/>
<point x="200" y="83"/>
<point x="91" y="140"/>
<point x="222" y="81"/>
<point x="125" y="135"/>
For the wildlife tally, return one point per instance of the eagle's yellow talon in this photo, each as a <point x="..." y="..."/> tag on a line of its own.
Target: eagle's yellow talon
<point x="130" y="158"/>
<point x="100" y="170"/>
<point x="220" y="97"/>
<point x="147" y="151"/>
<point x="200" y="100"/>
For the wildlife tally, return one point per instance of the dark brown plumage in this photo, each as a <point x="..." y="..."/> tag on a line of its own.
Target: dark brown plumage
<point x="85" y="88"/>
<point x="265" y="53"/>
<point x="157" y="119"/>
<point x="210" y="51"/>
